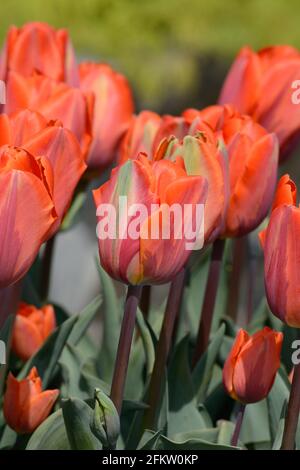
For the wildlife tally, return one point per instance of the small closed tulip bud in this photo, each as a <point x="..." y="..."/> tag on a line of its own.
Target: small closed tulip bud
<point x="128" y="250"/>
<point x="250" y="369"/>
<point x="280" y="242"/>
<point x="31" y="328"/>
<point x="25" y="404"/>
<point x="261" y="84"/>
<point x="38" y="47"/>
<point x="105" y="422"/>
<point x="112" y="111"/>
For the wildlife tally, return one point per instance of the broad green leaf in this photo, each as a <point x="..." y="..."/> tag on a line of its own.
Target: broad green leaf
<point x="280" y="427"/>
<point x="183" y="412"/>
<point x="73" y="214"/>
<point x="84" y="320"/>
<point x="278" y="395"/>
<point x="165" y="443"/>
<point x="149" y="440"/>
<point x="77" y="417"/>
<point x="256" y="428"/>
<point x="50" y="435"/>
<point x="112" y="308"/>
<point x="226" y="430"/>
<point x="147" y="341"/>
<point x="202" y="373"/>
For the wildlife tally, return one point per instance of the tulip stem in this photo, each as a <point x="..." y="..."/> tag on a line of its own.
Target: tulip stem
<point x="124" y="346"/>
<point x="291" y="420"/>
<point x="46" y="268"/>
<point x="163" y="349"/>
<point x="238" y="425"/>
<point x="209" y="299"/>
<point x="235" y="280"/>
<point x="145" y="300"/>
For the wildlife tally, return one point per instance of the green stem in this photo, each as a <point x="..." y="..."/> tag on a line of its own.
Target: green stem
<point x="163" y="349"/>
<point x="125" y="340"/>
<point x="209" y="299"/>
<point x="291" y="420"/>
<point x="145" y="300"/>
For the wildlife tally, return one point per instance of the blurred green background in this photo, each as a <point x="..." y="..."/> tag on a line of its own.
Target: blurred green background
<point x="174" y="52"/>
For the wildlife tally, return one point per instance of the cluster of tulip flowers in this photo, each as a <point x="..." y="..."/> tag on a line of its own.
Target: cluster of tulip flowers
<point x="61" y="125"/>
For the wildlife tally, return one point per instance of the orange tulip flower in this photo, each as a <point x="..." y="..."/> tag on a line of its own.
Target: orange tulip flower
<point x="203" y="155"/>
<point x="39" y="47"/>
<point x="260" y="84"/>
<point x="25" y="404"/>
<point x="253" y="163"/>
<point x="250" y="369"/>
<point x="54" y="100"/>
<point x="31" y="131"/>
<point x="32" y="326"/>
<point x="144" y="259"/>
<point x="139" y="136"/>
<point x="40" y="165"/>
<point x="282" y="253"/>
<point x="112" y="111"/>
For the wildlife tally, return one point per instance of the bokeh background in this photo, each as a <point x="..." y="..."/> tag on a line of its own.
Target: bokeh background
<point x="175" y="54"/>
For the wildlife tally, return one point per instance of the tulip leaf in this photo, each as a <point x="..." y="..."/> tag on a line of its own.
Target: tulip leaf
<point x="165" y="443"/>
<point x="112" y="308"/>
<point x="202" y="373"/>
<point x="278" y="395"/>
<point x="183" y="411"/>
<point x="73" y="214"/>
<point x="278" y="436"/>
<point x="84" y="320"/>
<point x="77" y="417"/>
<point x="256" y="428"/>
<point x="50" y="435"/>
<point x="147" y="341"/>
<point x="71" y="330"/>
<point x="149" y="440"/>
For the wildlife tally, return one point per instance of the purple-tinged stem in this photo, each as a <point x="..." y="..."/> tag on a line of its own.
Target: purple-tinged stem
<point x="124" y="346"/>
<point x="209" y="301"/>
<point x="238" y="425"/>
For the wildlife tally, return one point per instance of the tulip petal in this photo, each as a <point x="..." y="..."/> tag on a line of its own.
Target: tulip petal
<point x="26" y="216"/>
<point x="241" y="338"/>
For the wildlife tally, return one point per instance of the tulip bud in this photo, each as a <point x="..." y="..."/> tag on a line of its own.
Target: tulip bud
<point x="128" y="251"/>
<point x="203" y="156"/>
<point x="140" y="136"/>
<point x="250" y="369"/>
<point x="105" y="422"/>
<point x="38" y="47"/>
<point x="282" y="253"/>
<point x="31" y="328"/>
<point x="25" y="405"/>
<point x="112" y="110"/>
<point x="259" y="84"/>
